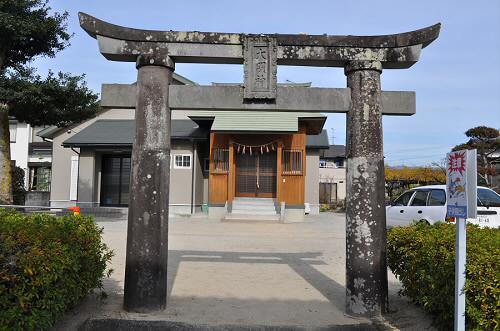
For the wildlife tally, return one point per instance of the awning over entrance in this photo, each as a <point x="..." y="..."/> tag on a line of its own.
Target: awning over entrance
<point x="260" y="122"/>
<point x="121" y="133"/>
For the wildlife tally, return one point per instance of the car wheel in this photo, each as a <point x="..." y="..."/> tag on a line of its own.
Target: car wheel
<point x="423" y="221"/>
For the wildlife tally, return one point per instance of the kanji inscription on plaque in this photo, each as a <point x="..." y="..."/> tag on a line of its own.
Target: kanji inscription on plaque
<point x="260" y="68"/>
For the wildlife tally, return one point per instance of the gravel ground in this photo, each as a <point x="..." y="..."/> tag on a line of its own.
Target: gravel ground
<point x="224" y="273"/>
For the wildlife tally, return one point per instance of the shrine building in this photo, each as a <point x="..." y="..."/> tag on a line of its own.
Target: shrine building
<point x="230" y="164"/>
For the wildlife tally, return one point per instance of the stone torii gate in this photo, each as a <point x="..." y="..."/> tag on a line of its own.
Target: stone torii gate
<point x="363" y="59"/>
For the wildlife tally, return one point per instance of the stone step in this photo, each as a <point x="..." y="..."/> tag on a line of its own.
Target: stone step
<point x="252" y="203"/>
<point x="254" y="212"/>
<point x="251" y="218"/>
<point x="254" y="207"/>
<point x="252" y="199"/>
<point x="263" y="201"/>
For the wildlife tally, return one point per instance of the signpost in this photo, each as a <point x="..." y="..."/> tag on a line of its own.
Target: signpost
<point x="461" y="187"/>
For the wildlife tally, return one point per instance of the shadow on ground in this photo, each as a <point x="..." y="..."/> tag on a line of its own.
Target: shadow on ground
<point x="301" y="263"/>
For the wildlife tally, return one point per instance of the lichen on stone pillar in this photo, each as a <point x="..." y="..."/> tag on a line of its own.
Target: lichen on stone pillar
<point x="366" y="269"/>
<point x="147" y="235"/>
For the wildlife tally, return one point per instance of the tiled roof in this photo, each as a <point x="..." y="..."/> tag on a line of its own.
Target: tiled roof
<point x="121" y="133"/>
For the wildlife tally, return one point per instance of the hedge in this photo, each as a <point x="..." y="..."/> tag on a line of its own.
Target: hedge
<point x="47" y="264"/>
<point x="422" y="257"/>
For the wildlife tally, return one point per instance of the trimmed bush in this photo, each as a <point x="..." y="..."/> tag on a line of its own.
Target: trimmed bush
<point x="47" y="264"/>
<point x="423" y="258"/>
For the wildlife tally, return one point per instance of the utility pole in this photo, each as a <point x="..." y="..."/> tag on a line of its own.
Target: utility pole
<point x="332" y="136"/>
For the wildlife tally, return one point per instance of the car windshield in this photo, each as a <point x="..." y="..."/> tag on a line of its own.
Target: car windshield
<point x="487" y="198"/>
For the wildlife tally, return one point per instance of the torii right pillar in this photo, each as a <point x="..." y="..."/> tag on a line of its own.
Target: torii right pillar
<point x="366" y="266"/>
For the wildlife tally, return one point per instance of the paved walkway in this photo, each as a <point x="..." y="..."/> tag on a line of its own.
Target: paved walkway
<point x="249" y="274"/>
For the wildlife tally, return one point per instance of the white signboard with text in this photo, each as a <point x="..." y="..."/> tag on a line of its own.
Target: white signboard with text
<point x="461" y="184"/>
<point x="461" y="191"/>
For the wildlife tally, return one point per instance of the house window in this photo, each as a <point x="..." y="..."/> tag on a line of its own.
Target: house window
<point x="39" y="178"/>
<point x="182" y="161"/>
<point x="322" y="163"/>
<point x="221" y="160"/>
<point x="292" y="162"/>
<point x="13" y="132"/>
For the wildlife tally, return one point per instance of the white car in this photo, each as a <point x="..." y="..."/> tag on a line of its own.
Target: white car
<point x="428" y="203"/>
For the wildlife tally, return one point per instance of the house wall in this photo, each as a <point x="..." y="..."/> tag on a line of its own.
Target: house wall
<point x="200" y="176"/>
<point x="19" y="148"/>
<point x="291" y="188"/>
<point x="98" y="175"/>
<point x="218" y="184"/>
<point x="86" y="174"/>
<point x="181" y="180"/>
<point x="312" y="180"/>
<point x="334" y="175"/>
<point x="89" y="179"/>
<point x="205" y="190"/>
<point x="61" y="158"/>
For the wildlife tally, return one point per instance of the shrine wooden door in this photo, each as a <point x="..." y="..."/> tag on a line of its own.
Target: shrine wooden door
<point x="256" y="175"/>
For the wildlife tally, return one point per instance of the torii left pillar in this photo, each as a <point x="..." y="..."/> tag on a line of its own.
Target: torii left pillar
<point x="147" y="235"/>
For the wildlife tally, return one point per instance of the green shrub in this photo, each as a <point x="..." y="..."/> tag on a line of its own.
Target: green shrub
<point x="423" y="258"/>
<point x="47" y="264"/>
<point x="324" y="207"/>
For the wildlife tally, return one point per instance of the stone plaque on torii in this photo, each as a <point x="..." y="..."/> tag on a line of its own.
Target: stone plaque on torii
<point x="363" y="59"/>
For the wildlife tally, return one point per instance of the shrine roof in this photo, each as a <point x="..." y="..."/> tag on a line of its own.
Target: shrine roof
<point x="260" y="121"/>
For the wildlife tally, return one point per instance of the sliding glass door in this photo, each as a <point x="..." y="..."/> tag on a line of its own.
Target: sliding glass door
<point x="115" y="180"/>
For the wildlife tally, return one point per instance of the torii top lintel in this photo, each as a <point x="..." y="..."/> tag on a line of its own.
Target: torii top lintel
<point x="395" y="51"/>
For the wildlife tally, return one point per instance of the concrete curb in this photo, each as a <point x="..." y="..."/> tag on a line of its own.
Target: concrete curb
<point x="105" y="324"/>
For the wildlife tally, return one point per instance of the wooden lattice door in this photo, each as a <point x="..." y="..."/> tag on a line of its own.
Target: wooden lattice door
<point x="256" y="175"/>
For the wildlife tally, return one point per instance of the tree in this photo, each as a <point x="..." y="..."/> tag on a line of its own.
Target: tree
<point x="440" y="166"/>
<point x="399" y="179"/>
<point x="28" y="29"/>
<point x="18" y="190"/>
<point x="487" y="141"/>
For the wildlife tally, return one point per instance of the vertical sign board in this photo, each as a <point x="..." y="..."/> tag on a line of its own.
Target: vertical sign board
<point x="260" y="67"/>
<point x="461" y="191"/>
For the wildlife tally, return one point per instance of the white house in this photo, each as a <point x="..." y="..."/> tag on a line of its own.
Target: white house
<point x="32" y="154"/>
<point x="332" y="174"/>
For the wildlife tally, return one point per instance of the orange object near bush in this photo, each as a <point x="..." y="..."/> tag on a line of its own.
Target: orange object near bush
<point x="75" y="209"/>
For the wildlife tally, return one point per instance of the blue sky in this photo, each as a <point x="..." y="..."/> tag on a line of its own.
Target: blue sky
<point x="457" y="79"/>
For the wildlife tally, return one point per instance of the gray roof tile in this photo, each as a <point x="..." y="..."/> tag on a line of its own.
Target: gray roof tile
<point x="333" y="151"/>
<point x="121" y="133"/>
